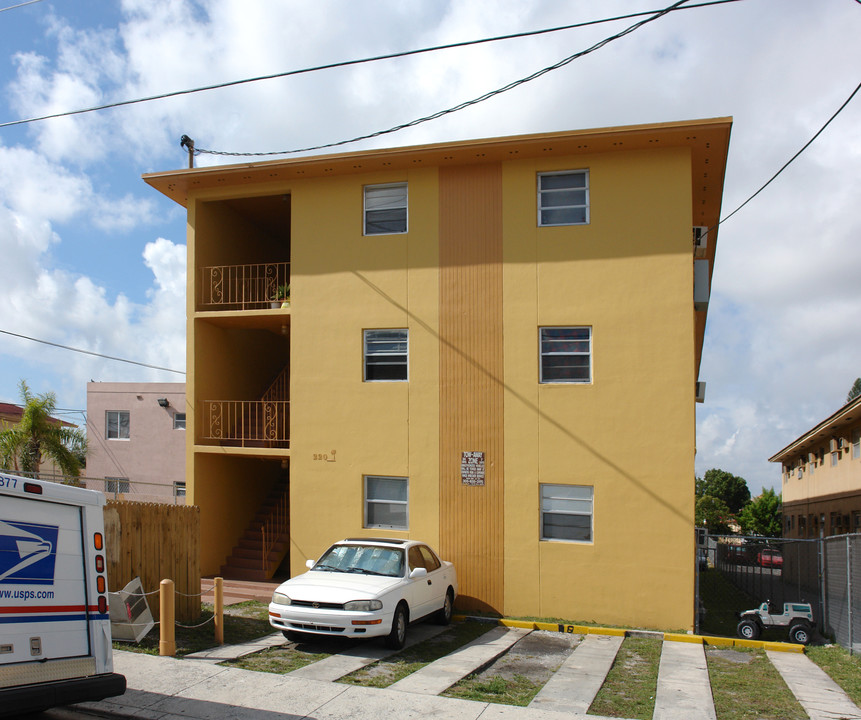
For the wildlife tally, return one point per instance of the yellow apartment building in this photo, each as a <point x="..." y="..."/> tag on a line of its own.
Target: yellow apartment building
<point x="822" y="477"/>
<point x="490" y="345"/>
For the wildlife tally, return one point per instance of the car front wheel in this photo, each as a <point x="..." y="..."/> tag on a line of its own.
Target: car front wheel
<point x="398" y="636"/>
<point x="748" y="629"/>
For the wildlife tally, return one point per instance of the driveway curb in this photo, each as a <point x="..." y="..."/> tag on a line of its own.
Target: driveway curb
<point x="667" y="637"/>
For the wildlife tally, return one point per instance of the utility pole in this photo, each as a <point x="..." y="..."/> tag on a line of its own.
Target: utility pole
<point x="186" y="142"/>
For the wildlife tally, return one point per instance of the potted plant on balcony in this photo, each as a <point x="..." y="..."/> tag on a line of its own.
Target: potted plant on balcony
<point x="282" y="297"/>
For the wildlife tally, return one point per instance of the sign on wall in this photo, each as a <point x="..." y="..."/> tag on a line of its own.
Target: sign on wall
<point x="472" y="468"/>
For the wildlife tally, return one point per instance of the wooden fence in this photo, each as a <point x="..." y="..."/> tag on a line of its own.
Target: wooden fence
<point x="154" y="541"/>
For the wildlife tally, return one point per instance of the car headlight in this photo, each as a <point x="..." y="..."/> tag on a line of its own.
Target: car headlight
<point x="280" y="599"/>
<point x="363" y="605"/>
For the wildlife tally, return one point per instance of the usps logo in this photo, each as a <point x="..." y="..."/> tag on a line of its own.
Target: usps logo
<point x="28" y="553"/>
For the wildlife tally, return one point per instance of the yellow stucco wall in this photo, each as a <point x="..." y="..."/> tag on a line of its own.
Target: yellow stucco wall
<point x="343" y="283"/>
<point x="629" y="433"/>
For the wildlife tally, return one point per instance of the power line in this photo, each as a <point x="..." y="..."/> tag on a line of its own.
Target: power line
<point x="793" y="158"/>
<point x="468" y="103"/>
<point x="13" y="7"/>
<point x="90" y="352"/>
<point x="346" y="63"/>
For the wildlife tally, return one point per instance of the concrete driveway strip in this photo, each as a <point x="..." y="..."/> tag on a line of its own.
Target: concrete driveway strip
<point x="573" y="687"/>
<point x="819" y="695"/>
<point x="441" y="674"/>
<point x="684" y="690"/>
<point x="344" y="663"/>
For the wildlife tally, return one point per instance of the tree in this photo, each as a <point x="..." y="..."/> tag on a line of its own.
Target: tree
<point x="762" y="515"/>
<point x="729" y="488"/>
<point x="713" y="513"/>
<point x="854" y="391"/>
<point x="39" y="436"/>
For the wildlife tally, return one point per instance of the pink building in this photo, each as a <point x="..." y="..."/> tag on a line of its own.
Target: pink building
<point x="136" y="440"/>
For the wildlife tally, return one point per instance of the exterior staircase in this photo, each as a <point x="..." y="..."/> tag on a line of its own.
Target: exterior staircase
<point x="266" y="540"/>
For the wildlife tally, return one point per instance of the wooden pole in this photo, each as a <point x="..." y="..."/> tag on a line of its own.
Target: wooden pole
<point x="218" y="611"/>
<point x="167" y="635"/>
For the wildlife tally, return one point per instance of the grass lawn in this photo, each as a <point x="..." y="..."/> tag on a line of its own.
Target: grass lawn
<point x="242" y="622"/>
<point x="517" y="690"/>
<point x="844" y="669"/>
<point x="385" y="672"/>
<point x="629" y="690"/>
<point x="746" y="686"/>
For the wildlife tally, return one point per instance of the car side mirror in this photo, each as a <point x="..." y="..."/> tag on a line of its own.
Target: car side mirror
<point x="419" y="573"/>
<point x="310" y="564"/>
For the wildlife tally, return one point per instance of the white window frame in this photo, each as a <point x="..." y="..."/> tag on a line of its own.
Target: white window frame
<point x="561" y="494"/>
<point x="367" y="501"/>
<point x="119" y="425"/>
<point x="546" y="194"/>
<point x="117" y="486"/>
<point x="379" y="353"/>
<point x="368" y="193"/>
<point x="856" y="443"/>
<point x="177" y="423"/>
<point x="542" y="354"/>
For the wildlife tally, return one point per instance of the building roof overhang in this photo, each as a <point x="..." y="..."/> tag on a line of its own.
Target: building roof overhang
<point x="708" y="140"/>
<point x="828" y="428"/>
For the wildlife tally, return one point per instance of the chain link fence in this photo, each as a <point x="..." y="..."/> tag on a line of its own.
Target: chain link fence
<point x="736" y="573"/>
<point x="842" y="556"/>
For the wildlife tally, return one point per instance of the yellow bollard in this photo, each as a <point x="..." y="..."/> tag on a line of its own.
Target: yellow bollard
<point x="167" y="636"/>
<point x="218" y="611"/>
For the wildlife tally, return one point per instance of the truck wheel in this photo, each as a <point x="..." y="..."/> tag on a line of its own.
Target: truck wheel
<point x="799" y="634"/>
<point x="748" y="629"/>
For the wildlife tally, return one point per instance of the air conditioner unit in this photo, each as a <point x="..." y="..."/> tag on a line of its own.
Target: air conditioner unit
<point x="131" y="617"/>
<point x="701" y="285"/>
<point x="701" y="236"/>
<point x="701" y="392"/>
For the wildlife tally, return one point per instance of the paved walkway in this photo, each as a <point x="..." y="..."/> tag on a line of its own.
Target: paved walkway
<point x="819" y="695"/>
<point x="440" y="675"/>
<point x="684" y="689"/>
<point x="196" y="688"/>
<point x="573" y="687"/>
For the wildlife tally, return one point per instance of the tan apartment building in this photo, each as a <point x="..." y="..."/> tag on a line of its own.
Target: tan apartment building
<point x="136" y="440"/>
<point x="821" y="473"/>
<point x="491" y="345"/>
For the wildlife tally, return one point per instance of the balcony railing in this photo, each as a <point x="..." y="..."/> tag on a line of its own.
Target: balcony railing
<point x="247" y="423"/>
<point x="241" y="287"/>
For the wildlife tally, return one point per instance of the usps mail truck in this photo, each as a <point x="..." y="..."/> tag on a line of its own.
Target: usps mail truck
<point x="55" y="633"/>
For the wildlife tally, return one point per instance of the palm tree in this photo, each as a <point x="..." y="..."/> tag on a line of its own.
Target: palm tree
<point x="38" y="435"/>
<point x="854" y="391"/>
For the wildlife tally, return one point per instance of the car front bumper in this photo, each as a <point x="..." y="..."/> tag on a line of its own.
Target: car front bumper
<point x="334" y="623"/>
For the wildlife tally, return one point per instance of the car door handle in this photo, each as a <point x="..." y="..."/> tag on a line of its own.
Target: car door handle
<point x="430" y="582"/>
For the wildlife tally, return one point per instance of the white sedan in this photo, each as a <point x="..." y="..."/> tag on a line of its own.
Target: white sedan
<point x="366" y="587"/>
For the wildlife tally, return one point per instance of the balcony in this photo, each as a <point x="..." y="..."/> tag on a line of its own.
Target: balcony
<point x="241" y="287"/>
<point x="246" y="423"/>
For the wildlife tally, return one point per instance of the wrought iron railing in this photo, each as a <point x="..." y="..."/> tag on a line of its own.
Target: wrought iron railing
<point x="276" y="526"/>
<point x="247" y="423"/>
<point x="242" y="287"/>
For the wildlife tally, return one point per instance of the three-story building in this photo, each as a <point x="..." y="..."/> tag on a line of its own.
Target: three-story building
<point x="490" y="345"/>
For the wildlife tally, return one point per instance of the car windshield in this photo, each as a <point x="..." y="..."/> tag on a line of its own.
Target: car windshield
<point x="364" y="559"/>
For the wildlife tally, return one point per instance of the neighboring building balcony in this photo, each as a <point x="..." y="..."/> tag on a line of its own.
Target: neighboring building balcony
<point x="244" y="287"/>
<point x="246" y="423"/>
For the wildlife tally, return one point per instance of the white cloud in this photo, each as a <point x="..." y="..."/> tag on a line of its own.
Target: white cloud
<point x="780" y="350"/>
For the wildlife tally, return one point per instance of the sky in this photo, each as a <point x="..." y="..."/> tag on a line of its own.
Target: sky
<point x="93" y="258"/>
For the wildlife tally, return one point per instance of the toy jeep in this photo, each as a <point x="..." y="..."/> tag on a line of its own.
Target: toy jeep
<point x="798" y="617"/>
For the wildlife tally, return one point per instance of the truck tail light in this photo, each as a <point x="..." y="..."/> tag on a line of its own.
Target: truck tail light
<point x="100" y="584"/>
<point x="33" y="488"/>
<point x="103" y="604"/>
<point x="100" y="563"/>
<point x="98" y="541"/>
